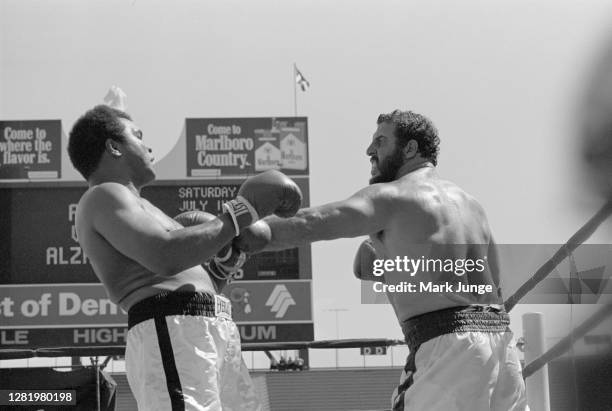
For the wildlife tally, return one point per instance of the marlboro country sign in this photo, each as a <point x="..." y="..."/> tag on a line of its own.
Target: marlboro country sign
<point x="245" y="146"/>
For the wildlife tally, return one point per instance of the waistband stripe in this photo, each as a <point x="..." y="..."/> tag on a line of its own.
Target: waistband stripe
<point x="173" y="303"/>
<point x="423" y="328"/>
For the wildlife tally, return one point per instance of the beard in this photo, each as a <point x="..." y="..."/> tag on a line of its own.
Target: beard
<point x="388" y="168"/>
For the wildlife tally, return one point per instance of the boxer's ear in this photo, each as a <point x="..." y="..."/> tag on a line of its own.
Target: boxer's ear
<point x="411" y="149"/>
<point x="112" y="147"/>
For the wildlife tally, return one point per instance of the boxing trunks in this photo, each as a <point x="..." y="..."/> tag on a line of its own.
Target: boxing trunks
<point x="460" y="359"/>
<point x="183" y="353"/>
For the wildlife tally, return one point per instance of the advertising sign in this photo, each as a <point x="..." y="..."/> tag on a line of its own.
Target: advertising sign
<point x="264" y="301"/>
<point x="30" y="149"/>
<point x="31" y="338"/>
<point x="49" y="294"/>
<point x="57" y="305"/>
<point x="59" y="315"/>
<point x="67" y="315"/>
<point x="246" y="146"/>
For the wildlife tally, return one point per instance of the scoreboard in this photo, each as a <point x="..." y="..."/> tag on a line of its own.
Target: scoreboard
<point x="49" y="294"/>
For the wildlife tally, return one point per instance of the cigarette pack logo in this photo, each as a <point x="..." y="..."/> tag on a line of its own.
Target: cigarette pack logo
<point x="293" y="150"/>
<point x="267" y="157"/>
<point x="280" y="300"/>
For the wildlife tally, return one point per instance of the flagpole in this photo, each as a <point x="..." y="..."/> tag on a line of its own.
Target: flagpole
<point x="294" y="90"/>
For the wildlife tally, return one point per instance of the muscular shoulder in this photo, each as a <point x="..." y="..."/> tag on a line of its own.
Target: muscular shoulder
<point x="459" y="205"/>
<point x="109" y="192"/>
<point x="407" y="193"/>
<point x="391" y="198"/>
<point x="440" y="198"/>
<point x="383" y="193"/>
<point x="437" y="192"/>
<point x="464" y="199"/>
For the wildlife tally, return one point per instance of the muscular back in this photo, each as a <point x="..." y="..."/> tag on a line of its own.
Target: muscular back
<point x="436" y="220"/>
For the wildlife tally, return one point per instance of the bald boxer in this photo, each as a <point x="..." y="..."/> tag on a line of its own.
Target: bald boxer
<point x="183" y="349"/>
<point x="462" y="354"/>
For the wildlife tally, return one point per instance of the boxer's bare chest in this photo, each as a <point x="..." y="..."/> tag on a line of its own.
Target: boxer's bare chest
<point x="164" y="220"/>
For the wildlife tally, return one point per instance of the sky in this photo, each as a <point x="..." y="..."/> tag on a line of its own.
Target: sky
<point x="502" y="81"/>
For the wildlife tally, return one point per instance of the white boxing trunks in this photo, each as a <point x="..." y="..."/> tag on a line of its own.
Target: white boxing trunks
<point x="460" y="359"/>
<point x="183" y="353"/>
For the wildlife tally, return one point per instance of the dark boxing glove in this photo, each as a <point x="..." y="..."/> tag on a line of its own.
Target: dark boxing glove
<point x="228" y="260"/>
<point x="254" y="238"/>
<point x="364" y="262"/>
<point x="267" y="193"/>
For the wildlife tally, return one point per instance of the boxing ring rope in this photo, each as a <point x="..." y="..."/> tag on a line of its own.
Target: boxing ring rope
<point x="567" y="342"/>
<point x="565" y="251"/>
<point x="577" y="239"/>
<point x="13" y="354"/>
<point x="537" y="386"/>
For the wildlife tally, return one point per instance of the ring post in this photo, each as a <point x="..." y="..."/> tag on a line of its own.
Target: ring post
<point x="538" y="396"/>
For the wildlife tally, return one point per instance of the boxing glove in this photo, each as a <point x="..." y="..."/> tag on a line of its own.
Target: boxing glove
<point x="267" y="193"/>
<point x="228" y="260"/>
<point x="364" y="261"/>
<point x="229" y="270"/>
<point x="194" y="217"/>
<point x="254" y="238"/>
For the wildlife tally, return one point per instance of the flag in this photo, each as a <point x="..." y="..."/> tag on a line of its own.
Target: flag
<point x="301" y="80"/>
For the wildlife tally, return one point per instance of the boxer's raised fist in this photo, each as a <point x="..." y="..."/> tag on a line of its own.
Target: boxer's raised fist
<point x="267" y="193"/>
<point x="228" y="260"/>
<point x="195" y="217"/>
<point x="254" y="238"/>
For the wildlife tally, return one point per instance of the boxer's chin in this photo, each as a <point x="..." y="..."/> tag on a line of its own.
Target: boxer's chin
<point x="387" y="171"/>
<point x="374" y="178"/>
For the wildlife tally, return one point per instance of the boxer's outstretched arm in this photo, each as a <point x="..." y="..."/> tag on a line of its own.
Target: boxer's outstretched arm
<point x="119" y="217"/>
<point x="367" y="211"/>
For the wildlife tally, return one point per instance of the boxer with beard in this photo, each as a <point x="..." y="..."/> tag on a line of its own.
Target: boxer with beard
<point x="462" y="353"/>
